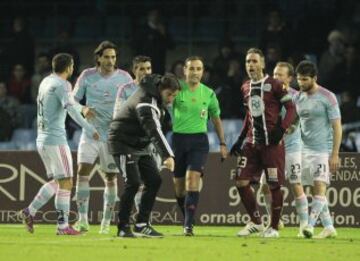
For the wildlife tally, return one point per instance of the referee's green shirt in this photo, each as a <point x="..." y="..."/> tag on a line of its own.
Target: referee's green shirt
<point x="192" y="108"/>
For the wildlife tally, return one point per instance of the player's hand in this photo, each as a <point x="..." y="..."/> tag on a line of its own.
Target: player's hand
<point x="236" y="147"/>
<point x="276" y="135"/>
<point x="169" y="163"/>
<point x="96" y="136"/>
<point x="290" y="130"/>
<point x="88" y="113"/>
<point x="334" y="162"/>
<point x="224" y="152"/>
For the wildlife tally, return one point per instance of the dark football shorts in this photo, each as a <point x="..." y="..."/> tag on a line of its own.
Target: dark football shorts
<point x="191" y="151"/>
<point x="254" y="159"/>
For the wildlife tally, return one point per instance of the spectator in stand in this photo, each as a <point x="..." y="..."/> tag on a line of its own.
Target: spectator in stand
<point x="153" y="40"/>
<point x="177" y="68"/>
<point x="273" y="56"/>
<point x="43" y="69"/>
<point x="21" y="46"/>
<point x="276" y="33"/>
<point x="332" y="57"/>
<point x="9" y="113"/>
<point x="222" y="61"/>
<point x="345" y="76"/>
<point x="64" y="45"/>
<point x="19" y="84"/>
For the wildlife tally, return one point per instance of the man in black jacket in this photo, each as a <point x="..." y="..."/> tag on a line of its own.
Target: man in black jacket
<point x="137" y="123"/>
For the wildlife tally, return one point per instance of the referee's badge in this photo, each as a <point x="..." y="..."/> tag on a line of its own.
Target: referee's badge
<point x="203" y="114"/>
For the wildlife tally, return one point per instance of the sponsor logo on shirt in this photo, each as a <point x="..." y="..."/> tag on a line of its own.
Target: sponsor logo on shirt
<point x="267" y="87"/>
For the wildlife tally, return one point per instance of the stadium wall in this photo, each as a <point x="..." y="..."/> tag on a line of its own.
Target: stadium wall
<point x="22" y="174"/>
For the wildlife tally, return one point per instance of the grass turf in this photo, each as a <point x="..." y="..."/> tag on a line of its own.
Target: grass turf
<point x="210" y="243"/>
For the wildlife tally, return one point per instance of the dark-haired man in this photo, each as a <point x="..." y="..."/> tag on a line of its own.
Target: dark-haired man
<point x="321" y="132"/>
<point x="136" y="124"/>
<point x="263" y="150"/>
<point x="99" y="86"/>
<point x="54" y="101"/>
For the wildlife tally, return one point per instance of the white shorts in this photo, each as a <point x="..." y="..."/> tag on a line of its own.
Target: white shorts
<point x="57" y="160"/>
<point x="89" y="150"/>
<point x="315" y="167"/>
<point x="292" y="168"/>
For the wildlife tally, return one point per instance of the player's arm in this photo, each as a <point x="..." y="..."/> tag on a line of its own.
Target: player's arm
<point x="78" y="93"/>
<point x="334" y="116"/>
<point x="236" y="147"/>
<point x="148" y="115"/>
<point x="68" y="103"/>
<point x="214" y="112"/>
<point x="290" y="114"/>
<point x="337" y="136"/>
<point x="123" y="93"/>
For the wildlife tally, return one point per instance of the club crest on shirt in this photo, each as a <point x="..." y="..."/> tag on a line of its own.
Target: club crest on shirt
<point x="256" y="106"/>
<point x="267" y="87"/>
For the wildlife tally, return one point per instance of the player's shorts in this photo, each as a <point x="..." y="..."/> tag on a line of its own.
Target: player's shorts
<point x="89" y="150"/>
<point x="254" y="159"/>
<point x="57" y="160"/>
<point x="191" y="151"/>
<point x="315" y="167"/>
<point x="292" y="168"/>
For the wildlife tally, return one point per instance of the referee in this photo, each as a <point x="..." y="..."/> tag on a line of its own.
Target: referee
<point x="192" y="107"/>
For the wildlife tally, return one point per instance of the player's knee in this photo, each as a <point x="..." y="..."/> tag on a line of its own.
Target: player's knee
<point x="66" y="183"/>
<point x="242" y="183"/>
<point x="274" y="187"/>
<point x="84" y="169"/>
<point x="109" y="177"/>
<point x="265" y="189"/>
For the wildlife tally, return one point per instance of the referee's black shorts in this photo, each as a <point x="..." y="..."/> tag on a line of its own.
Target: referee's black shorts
<point x="190" y="151"/>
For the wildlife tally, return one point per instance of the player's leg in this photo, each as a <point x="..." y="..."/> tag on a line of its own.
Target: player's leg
<point x="273" y="157"/>
<point x="46" y="192"/>
<point x="195" y="163"/>
<point x="137" y="198"/>
<point x="63" y="174"/>
<point x="321" y="177"/>
<point x="192" y="187"/>
<point x="152" y="181"/>
<point x="249" y="169"/>
<point x="180" y="148"/>
<point x="87" y="153"/>
<point x="180" y="192"/>
<point x="128" y="167"/>
<point x="293" y="168"/>
<point x="265" y="190"/>
<point x="111" y="187"/>
<point x="329" y="231"/>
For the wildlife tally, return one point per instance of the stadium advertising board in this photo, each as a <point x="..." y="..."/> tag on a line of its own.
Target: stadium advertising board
<point x="22" y="174"/>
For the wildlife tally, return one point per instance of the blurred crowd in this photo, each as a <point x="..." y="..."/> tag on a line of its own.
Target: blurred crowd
<point x="330" y="38"/>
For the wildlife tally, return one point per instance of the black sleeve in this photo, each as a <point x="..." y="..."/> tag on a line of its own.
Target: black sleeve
<point x="149" y="114"/>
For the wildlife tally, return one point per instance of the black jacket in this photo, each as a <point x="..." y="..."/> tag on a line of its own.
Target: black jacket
<point x="139" y="122"/>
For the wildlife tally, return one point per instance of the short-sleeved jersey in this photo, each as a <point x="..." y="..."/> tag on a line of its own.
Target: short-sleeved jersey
<point x="191" y="109"/>
<point x="53" y="98"/>
<point x="100" y="93"/>
<point x="263" y="101"/>
<point x="123" y="93"/>
<point x="316" y="111"/>
<point x="292" y="141"/>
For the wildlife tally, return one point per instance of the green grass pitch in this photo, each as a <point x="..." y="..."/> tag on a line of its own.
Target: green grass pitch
<point x="210" y="243"/>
